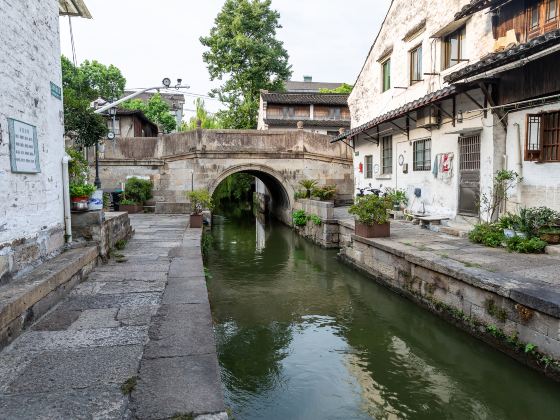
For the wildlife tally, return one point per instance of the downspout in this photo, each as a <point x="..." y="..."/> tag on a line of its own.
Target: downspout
<point x="519" y="159"/>
<point x="66" y="196"/>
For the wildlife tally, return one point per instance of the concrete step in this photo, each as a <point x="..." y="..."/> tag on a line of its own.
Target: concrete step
<point x="553" y="250"/>
<point x="26" y="299"/>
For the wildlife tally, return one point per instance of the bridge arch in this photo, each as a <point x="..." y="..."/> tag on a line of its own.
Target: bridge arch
<point x="281" y="191"/>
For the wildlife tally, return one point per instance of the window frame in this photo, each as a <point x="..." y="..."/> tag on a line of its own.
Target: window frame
<point x="368" y="167"/>
<point x="547" y="9"/>
<point x="415" y="52"/>
<point x="541" y="153"/>
<point x="386" y="65"/>
<point x="386" y="144"/>
<point x="447" y="60"/>
<point x="426" y="164"/>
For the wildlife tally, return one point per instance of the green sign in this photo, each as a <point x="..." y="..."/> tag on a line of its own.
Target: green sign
<point x="356" y="153"/>
<point x="56" y="91"/>
<point x="24" y="149"/>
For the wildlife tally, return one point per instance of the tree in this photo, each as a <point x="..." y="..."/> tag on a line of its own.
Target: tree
<point x="343" y="88"/>
<point x="243" y="50"/>
<point x="107" y="81"/>
<point x="79" y="118"/>
<point x="156" y="110"/>
<point x="207" y="120"/>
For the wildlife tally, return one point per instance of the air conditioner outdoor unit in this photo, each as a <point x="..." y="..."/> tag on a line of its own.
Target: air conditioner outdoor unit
<point x="427" y="117"/>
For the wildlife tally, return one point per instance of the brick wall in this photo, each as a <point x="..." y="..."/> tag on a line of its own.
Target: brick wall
<point x="31" y="207"/>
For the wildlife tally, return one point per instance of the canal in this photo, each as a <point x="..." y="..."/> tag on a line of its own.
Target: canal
<point x="302" y="336"/>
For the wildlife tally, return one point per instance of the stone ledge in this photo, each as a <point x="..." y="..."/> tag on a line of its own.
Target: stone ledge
<point x="542" y="298"/>
<point x="28" y="298"/>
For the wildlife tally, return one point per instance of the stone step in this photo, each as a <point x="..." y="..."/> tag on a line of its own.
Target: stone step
<point x="25" y="300"/>
<point x="460" y="232"/>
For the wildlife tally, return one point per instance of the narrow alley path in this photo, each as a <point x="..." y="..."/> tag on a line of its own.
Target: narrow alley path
<point x="73" y="363"/>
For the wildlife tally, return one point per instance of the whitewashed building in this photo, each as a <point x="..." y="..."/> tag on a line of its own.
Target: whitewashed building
<point x="433" y="110"/>
<point x="31" y="131"/>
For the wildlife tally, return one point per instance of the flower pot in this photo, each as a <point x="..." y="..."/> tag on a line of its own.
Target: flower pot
<point x="79" y="203"/>
<point x="130" y="208"/>
<point x="551" y="238"/>
<point x="195" y="221"/>
<point x="509" y="233"/>
<point x="373" y="231"/>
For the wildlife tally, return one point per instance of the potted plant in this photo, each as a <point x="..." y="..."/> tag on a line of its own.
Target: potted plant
<point x="200" y="200"/>
<point x="128" y="205"/>
<point x="511" y="225"/>
<point x="308" y="185"/>
<point x="79" y="195"/>
<point x="398" y="198"/>
<point x="325" y="193"/>
<point x="372" y="219"/>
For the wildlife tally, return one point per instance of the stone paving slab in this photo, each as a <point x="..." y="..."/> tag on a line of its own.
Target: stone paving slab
<point x="178" y="385"/>
<point x="72" y="362"/>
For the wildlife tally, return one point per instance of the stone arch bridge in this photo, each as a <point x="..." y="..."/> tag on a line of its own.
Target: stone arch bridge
<point x="201" y="159"/>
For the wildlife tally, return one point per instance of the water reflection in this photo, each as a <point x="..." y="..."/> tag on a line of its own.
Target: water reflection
<point x="301" y="336"/>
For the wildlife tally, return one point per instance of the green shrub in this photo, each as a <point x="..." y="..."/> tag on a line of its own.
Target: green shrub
<point x="200" y="200"/>
<point x="309" y="185"/>
<point x="510" y="221"/>
<point x="78" y="168"/>
<point x="371" y="210"/>
<point x="396" y="196"/>
<point x="315" y="219"/>
<point x="487" y="234"/>
<point x="299" y="218"/>
<point x="536" y="218"/>
<point x="138" y="190"/>
<point x="81" y="190"/>
<point x="325" y="193"/>
<point x="525" y="245"/>
<point x="300" y="194"/>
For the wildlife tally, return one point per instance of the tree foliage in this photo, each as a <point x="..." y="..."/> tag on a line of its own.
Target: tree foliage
<point x="79" y="117"/>
<point x="156" y="110"/>
<point x="243" y="51"/>
<point x="207" y="120"/>
<point x="343" y="88"/>
<point x="107" y="81"/>
<point x="235" y="187"/>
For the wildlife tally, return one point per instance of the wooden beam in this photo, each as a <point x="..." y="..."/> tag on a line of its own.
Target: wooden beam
<point x="488" y="97"/>
<point x="444" y="111"/>
<point x="454" y="109"/>
<point x="474" y="101"/>
<point x="403" y="130"/>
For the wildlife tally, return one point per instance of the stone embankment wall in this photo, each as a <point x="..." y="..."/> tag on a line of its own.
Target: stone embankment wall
<point x="31" y="210"/>
<point x="491" y="306"/>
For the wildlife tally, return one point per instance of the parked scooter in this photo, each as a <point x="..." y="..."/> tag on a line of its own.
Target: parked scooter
<point x="363" y="191"/>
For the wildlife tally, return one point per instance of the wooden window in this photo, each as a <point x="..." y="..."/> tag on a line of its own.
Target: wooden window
<point x="551" y="10"/>
<point x="416" y="73"/>
<point x="454" y="48"/>
<point x="543" y="137"/>
<point x="334" y="114"/>
<point x="387" y="155"/>
<point x="534" y="17"/>
<point x="288" y="112"/>
<point x="368" y="166"/>
<point x="386" y="74"/>
<point x="422" y="155"/>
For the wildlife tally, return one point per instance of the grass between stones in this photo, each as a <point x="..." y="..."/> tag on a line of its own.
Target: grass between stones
<point x="129" y="385"/>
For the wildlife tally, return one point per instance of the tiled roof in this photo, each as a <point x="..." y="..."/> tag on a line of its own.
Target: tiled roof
<point x="514" y="53"/>
<point x="476" y="6"/>
<point x="401" y="111"/>
<point x="122" y="112"/>
<point x="306" y="123"/>
<point x="295" y="86"/>
<point x="289" y="98"/>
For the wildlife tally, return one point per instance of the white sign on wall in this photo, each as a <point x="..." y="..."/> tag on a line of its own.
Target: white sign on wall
<point x="24" y="150"/>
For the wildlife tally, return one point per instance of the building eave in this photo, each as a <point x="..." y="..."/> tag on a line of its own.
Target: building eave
<point x="75" y="8"/>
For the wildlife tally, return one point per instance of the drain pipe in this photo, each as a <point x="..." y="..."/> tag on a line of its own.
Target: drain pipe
<point x="519" y="158"/>
<point x="66" y="195"/>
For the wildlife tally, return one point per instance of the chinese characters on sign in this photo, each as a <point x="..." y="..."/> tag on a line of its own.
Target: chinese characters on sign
<point x="24" y="151"/>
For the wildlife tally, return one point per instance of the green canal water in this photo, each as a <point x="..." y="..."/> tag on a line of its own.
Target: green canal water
<point x="302" y="336"/>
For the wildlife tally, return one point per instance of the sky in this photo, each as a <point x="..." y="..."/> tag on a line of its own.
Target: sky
<point x="149" y="39"/>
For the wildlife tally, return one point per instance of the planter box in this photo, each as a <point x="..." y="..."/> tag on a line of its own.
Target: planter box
<point x="196" y="221"/>
<point x="130" y="208"/>
<point x="373" y="231"/>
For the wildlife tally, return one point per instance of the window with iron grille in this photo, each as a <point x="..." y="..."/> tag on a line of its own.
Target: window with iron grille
<point x="387" y="155"/>
<point x="422" y="151"/>
<point x="543" y="137"/>
<point x="368" y="166"/>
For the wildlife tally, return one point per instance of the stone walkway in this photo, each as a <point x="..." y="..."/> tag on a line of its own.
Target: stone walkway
<point x="126" y="323"/>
